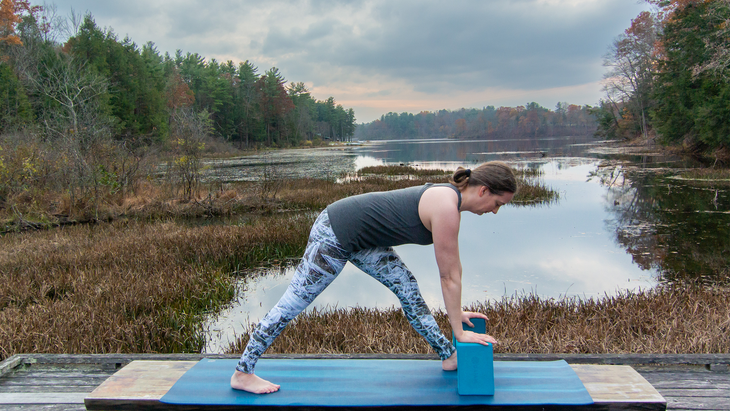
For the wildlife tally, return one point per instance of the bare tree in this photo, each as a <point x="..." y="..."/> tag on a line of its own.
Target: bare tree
<point x="52" y="25"/>
<point x="630" y="61"/>
<point x="188" y="132"/>
<point x="72" y="114"/>
<point x="67" y="82"/>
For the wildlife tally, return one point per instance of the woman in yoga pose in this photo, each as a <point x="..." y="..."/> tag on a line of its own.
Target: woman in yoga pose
<point x="363" y="229"/>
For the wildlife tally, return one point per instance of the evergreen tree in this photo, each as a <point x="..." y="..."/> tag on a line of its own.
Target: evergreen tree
<point x="15" y="109"/>
<point x="690" y="108"/>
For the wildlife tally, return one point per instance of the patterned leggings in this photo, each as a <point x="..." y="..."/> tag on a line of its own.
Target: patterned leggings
<point x="323" y="260"/>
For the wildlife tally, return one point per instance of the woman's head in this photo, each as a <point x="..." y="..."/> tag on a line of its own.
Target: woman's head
<point x="495" y="175"/>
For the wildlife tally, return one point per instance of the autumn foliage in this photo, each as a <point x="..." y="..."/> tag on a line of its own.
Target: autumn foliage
<point x="669" y="78"/>
<point x="11" y="13"/>
<point x="8" y="20"/>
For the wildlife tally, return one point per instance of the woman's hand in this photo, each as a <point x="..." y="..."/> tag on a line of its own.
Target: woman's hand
<point x="472" y="337"/>
<point x="466" y="317"/>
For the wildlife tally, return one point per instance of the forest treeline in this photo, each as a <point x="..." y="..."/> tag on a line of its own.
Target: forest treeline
<point x="96" y="83"/>
<point x="668" y="78"/>
<point x="530" y="120"/>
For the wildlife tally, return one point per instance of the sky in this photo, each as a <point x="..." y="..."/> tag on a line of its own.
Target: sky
<point x="378" y="56"/>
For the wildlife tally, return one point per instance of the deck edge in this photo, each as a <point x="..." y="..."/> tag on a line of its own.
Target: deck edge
<point x="719" y="361"/>
<point x="10" y="363"/>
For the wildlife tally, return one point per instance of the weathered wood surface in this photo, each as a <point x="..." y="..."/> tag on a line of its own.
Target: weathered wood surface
<point x="687" y="382"/>
<point x="617" y="384"/>
<point x="142" y="384"/>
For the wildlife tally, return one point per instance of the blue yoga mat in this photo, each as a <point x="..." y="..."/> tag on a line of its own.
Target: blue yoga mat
<point x="382" y="383"/>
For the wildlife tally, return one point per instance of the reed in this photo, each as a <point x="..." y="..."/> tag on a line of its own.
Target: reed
<point x="155" y="201"/>
<point x="707" y="174"/>
<point x="669" y="319"/>
<point x="393" y="170"/>
<point x="129" y="286"/>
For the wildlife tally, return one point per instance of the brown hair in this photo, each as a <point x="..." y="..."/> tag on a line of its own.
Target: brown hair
<point x="495" y="175"/>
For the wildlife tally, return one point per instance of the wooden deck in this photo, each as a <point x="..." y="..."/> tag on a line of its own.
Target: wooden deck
<point x="61" y="382"/>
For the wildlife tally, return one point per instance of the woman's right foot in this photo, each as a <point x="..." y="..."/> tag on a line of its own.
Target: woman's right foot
<point x="450" y="363"/>
<point x="252" y="383"/>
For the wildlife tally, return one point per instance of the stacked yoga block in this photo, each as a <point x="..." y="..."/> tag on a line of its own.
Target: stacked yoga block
<point x="475" y="363"/>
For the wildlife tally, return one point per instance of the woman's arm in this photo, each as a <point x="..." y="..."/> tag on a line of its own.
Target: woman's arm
<point x="439" y="213"/>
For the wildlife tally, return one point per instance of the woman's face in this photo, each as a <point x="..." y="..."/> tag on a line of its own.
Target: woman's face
<point x="490" y="203"/>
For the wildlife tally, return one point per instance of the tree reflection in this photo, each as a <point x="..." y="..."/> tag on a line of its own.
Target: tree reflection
<point x="678" y="227"/>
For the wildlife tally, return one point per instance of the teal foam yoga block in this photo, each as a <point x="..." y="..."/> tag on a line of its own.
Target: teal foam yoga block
<point x="475" y="364"/>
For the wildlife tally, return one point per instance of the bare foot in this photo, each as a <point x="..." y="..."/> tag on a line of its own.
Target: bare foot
<point x="252" y="383"/>
<point x="449" y="364"/>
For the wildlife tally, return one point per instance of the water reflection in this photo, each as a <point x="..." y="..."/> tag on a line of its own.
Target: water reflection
<point x="679" y="228"/>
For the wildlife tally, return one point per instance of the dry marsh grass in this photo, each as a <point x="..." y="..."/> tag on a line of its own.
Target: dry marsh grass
<point x="665" y="320"/>
<point x="152" y="200"/>
<point x="707" y="174"/>
<point x="128" y="286"/>
<point x="393" y="170"/>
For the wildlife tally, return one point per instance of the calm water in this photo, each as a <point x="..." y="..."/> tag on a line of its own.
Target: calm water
<point x="622" y="223"/>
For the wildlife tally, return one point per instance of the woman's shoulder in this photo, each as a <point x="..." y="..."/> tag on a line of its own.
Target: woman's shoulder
<point x="438" y="198"/>
<point x="445" y="194"/>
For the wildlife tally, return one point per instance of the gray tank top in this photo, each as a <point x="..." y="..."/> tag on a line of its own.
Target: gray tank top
<point x="381" y="219"/>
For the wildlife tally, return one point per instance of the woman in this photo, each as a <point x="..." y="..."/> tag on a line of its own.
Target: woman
<point x="363" y="229"/>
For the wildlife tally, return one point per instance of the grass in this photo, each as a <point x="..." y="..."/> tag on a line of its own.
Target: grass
<point x="401" y="171"/>
<point x="664" y="320"/>
<point x="157" y="201"/>
<point x="706" y="174"/>
<point x="128" y="286"/>
<point x="392" y="170"/>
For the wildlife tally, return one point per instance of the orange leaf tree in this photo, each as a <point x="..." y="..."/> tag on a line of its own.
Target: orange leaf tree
<point x="9" y="19"/>
<point x="11" y="13"/>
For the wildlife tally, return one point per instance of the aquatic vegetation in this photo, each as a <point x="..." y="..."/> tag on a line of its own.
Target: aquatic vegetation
<point x="706" y="174"/>
<point x="400" y="170"/>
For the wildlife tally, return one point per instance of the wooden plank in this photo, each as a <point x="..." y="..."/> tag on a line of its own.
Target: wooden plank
<point x="687" y="380"/>
<point x="684" y="403"/>
<point x="43" y="398"/>
<point x="53" y="381"/>
<point x="709" y="392"/>
<point x="687" y="384"/>
<point x="68" y="373"/>
<point x="616" y="384"/>
<point x="44" y="388"/>
<point x="10" y="364"/>
<point x="44" y="407"/>
<point x="616" y="359"/>
<point x="139" y="382"/>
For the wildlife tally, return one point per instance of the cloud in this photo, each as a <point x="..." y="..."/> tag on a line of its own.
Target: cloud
<point x="433" y="50"/>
